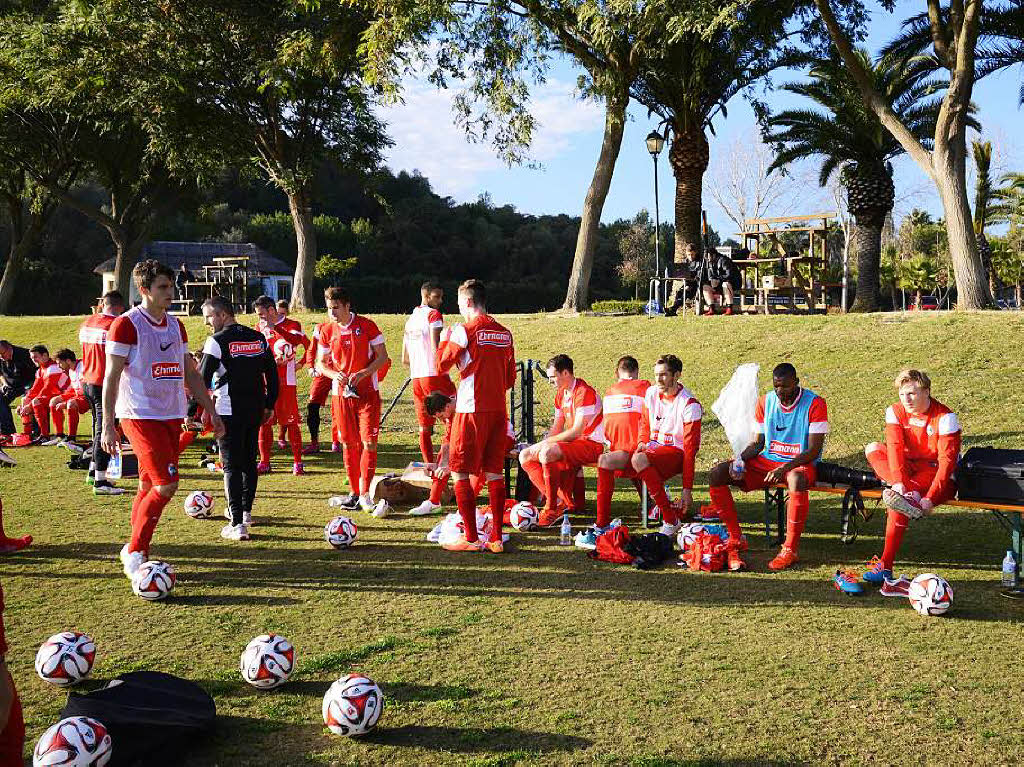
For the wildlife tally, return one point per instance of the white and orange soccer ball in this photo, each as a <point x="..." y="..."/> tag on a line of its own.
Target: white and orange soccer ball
<point x="930" y="594"/>
<point x="77" y="741"/>
<point x="267" y="661"/>
<point x="65" y="658"/>
<point x="199" y="504"/>
<point x="523" y="516"/>
<point x="154" y="580"/>
<point x="352" y="705"/>
<point x="341" y="532"/>
<point x="687" y="534"/>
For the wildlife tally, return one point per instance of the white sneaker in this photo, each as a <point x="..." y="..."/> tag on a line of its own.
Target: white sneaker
<point x="366" y="503"/>
<point x="382" y="509"/>
<point x="235" y="532"/>
<point x="53" y="442"/>
<point x="131" y="561"/>
<point x="670" y="530"/>
<point x="104" y="487"/>
<point x="424" y="509"/>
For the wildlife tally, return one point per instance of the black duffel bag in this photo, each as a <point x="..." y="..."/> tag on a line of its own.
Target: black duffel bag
<point x="991" y="474"/>
<point x="152" y="717"/>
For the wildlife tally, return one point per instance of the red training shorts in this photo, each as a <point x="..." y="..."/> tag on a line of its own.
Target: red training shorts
<point x="580" y="452"/>
<point x="424" y="387"/>
<point x="320" y="390"/>
<point x="478" y="442"/>
<point x="357" y="419"/>
<point x="286" y="407"/>
<point x="666" y="460"/>
<point x="79" y="401"/>
<point x="156" y="447"/>
<point x="758" y="467"/>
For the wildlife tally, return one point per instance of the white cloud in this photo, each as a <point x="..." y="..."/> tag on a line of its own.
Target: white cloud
<point x="426" y="138"/>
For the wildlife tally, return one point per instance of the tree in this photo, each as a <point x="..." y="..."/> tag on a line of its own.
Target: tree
<point x="849" y="139"/>
<point x="954" y="34"/>
<point x="636" y="244"/>
<point x="982" y="151"/>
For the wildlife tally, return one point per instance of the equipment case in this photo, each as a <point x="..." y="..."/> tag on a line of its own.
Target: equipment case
<point x="991" y="474"/>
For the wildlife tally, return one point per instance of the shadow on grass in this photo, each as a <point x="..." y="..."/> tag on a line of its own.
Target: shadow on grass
<point x="468" y="740"/>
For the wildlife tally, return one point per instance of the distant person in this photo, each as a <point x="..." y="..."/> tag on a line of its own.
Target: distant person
<point x="283" y="307"/>
<point x="17" y="374"/>
<point x="685" y="279"/>
<point x="720" y="282"/>
<point x="419" y="351"/>
<point x="319" y="392"/>
<point x="50" y="382"/>
<point x="184" y="276"/>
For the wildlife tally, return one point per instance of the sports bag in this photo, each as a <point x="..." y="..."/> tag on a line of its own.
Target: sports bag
<point x="151" y="717"/>
<point x="649" y="550"/>
<point x="991" y="474"/>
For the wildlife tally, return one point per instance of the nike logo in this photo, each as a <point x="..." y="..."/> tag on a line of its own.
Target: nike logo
<point x="165" y="347"/>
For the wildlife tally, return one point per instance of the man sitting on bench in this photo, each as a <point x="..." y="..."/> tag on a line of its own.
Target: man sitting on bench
<point x="792" y="423"/>
<point x="917" y="461"/>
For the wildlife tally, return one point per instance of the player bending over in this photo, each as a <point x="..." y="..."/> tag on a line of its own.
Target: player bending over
<point x="576" y="439"/>
<point x="670" y="426"/>
<point x="917" y="461"/>
<point x="792" y="423"/>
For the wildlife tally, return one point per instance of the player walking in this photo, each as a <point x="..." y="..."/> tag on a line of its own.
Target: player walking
<point x="148" y="363"/>
<point x="481" y="348"/>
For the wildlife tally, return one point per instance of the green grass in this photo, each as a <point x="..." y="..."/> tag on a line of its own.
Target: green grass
<point x="543" y="656"/>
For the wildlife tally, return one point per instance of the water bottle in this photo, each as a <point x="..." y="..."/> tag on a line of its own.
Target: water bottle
<point x="738" y="468"/>
<point x="566" y="538"/>
<point x="114" y="466"/>
<point x="1009" y="569"/>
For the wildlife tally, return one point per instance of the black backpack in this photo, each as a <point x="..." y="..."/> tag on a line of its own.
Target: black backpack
<point x="151" y="717"/>
<point x="649" y="550"/>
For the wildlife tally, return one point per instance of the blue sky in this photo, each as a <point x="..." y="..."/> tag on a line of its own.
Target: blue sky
<point x="568" y="140"/>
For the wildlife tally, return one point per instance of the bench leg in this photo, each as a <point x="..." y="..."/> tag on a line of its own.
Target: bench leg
<point x="1017" y="541"/>
<point x="775" y="500"/>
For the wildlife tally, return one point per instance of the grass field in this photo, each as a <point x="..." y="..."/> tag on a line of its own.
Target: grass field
<point x="543" y="656"/>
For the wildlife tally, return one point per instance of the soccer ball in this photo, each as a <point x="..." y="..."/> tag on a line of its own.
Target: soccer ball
<point x="930" y="594"/>
<point x="199" y="504"/>
<point x="65" y="658"/>
<point x="154" y="580"/>
<point x="77" y="741"/>
<point x="341" y="532"/>
<point x="267" y="661"/>
<point x="352" y="705"/>
<point x="688" y="534"/>
<point x="523" y="516"/>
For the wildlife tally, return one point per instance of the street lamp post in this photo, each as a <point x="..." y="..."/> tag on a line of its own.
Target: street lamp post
<point x="655" y="141"/>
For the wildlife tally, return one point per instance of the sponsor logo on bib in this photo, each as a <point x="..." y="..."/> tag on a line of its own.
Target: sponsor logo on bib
<point x="245" y="348"/>
<point x="166" y="370"/>
<point x="784" y="448"/>
<point x="493" y="338"/>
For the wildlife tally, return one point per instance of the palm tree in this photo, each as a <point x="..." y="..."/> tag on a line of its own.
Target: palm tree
<point x="982" y="151"/>
<point x="849" y="139"/>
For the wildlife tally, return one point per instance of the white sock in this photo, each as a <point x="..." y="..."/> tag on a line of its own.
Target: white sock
<point x="100" y="476"/>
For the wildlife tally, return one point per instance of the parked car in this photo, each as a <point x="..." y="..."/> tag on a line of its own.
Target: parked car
<point x="925" y="304"/>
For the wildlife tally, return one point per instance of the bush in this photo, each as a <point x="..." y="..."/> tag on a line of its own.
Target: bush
<point x="618" y="307"/>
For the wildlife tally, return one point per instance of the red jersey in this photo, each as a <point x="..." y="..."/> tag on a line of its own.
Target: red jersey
<point x="482" y="351"/>
<point x="92" y="335"/>
<point x="581" y="399"/>
<point x="50" y="381"/>
<point x="623" y="407"/>
<point x="349" y="350"/>
<point x="283" y="338"/>
<point x="931" y="438"/>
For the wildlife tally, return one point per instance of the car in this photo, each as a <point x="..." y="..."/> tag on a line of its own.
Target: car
<point x="926" y="304"/>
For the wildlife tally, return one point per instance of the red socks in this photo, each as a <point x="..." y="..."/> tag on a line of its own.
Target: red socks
<point x="368" y="466"/>
<point x="427" y="446"/>
<point x="436" y="489"/>
<point x="895" y="527"/>
<point x="185" y="439"/>
<point x="58" y="419"/>
<point x="266" y="440"/>
<point x="352" y="455"/>
<point x="796" y="516"/>
<point x="295" y="437"/>
<point x="467" y="508"/>
<point x="552" y="475"/>
<point x="656" y="489"/>
<point x="145" y="514"/>
<point x="605" y="487"/>
<point x="8" y="544"/>
<point x="42" y="414"/>
<point x="579" y="492"/>
<point x="496" y="494"/>
<point x="721" y="499"/>
<point x="536" y="474"/>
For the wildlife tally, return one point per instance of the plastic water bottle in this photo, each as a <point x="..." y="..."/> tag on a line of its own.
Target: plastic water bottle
<point x="738" y="468"/>
<point x="1009" y="569"/>
<point x="114" y="466"/>
<point x="566" y="538"/>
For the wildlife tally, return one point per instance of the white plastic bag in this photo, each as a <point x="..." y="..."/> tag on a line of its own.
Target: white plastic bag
<point x="735" y="407"/>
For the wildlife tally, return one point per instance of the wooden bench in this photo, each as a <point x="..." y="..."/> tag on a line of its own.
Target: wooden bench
<point x="854" y="511"/>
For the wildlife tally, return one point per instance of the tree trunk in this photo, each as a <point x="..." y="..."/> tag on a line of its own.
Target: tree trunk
<point x="301" y="208"/>
<point x="577" y="297"/>
<point x="20" y="248"/>
<point x="127" y="254"/>
<point x="689" y="159"/>
<point x="867" y="236"/>
<point x="971" y="281"/>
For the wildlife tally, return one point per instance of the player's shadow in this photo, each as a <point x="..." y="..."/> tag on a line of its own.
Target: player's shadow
<point x="469" y="740"/>
<point x="228" y="600"/>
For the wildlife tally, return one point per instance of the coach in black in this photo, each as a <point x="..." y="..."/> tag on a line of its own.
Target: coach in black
<point x="17" y="373"/>
<point x="238" y="366"/>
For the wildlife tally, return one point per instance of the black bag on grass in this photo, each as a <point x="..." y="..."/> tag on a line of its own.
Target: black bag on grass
<point x="649" y="550"/>
<point x="152" y="717"/>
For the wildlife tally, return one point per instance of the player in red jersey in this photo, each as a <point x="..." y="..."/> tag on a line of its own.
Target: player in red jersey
<point x="12" y="723"/>
<point x="419" y="351"/>
<point x="623" y="407"/>
<point x="481" y="348"/>
<point x="319" y="391"/>
<point x="148" y="366"/>
<point x="576" y="439"/>
<point x="50" y="382"/>
<point x="670" y="426"/>
<point x="71" y="401"/>
<point x="352" y="354"/>
<point x="917" y="461"/>
<point x="285" y="336"/>
<point x="92" y="335"/>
